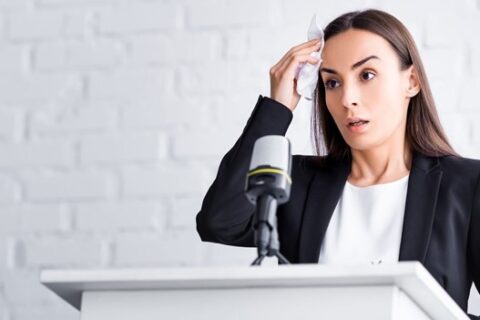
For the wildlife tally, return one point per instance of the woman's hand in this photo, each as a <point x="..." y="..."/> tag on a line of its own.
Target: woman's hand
<point x="282" y="75"/>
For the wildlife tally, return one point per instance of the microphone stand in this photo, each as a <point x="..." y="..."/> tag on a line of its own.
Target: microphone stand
<point x="266" y="235"/>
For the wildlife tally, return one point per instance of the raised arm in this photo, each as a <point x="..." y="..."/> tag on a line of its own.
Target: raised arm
<point x="226" y="215"/>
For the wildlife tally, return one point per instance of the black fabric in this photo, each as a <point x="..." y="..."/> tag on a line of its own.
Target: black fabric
<point x="442" y="215"/>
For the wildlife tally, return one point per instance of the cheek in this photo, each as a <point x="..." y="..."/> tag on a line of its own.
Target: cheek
<point x="334" y="107"/>
<point x="389" y="115"/>
<point x="385" y="95"/>
<point x="333" y="100"/>
<point x="388" y="89"/>
<point x="329" y="98"/>
<point x="388" y="101"/>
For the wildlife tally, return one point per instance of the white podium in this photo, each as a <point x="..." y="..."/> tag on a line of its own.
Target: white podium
<point x="303" y="291"/>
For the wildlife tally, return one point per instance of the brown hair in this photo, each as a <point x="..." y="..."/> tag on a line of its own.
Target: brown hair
<point x="424" y="132"/>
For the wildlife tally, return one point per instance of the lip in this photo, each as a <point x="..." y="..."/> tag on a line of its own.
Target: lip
<point x="353" y="119"/>
<point x="358" y="129"/>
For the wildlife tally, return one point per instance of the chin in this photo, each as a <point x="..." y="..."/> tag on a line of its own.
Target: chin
<point x="358" y="147"/>
<point x="361" y="144"/>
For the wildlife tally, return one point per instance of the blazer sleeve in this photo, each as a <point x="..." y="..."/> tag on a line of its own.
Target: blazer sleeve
<point x="226" y="216"/>
<point x="474" y="240"/>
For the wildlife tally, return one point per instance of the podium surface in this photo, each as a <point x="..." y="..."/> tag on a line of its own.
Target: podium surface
<point x="404" y="290"/>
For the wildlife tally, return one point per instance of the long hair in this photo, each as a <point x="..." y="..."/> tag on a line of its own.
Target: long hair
<point x="424" y="132"/>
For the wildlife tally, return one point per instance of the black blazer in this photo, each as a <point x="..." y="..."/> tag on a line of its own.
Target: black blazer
<point x="441" y="226"/>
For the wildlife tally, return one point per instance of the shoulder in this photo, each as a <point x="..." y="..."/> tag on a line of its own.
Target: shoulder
<point x="460" y="172"/>
<point x="460" y="165"/>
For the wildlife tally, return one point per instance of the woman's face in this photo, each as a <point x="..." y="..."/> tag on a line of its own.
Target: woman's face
<point x="363" y="80"/>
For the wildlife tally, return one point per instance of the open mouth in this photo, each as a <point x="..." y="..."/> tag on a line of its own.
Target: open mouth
<point x="358" y="123"/>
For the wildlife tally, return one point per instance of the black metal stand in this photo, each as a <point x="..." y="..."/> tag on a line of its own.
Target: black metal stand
<point x="266" y="235"/>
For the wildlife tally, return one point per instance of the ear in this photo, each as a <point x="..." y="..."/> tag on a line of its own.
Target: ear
<point x="413" y="82"/>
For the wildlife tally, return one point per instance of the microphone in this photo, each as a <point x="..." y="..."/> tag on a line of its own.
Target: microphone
<point x="268" y="185"/>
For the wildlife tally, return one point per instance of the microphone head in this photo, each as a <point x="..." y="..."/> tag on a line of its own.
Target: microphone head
<point x="269" y="171"/>
<point x="273" y="151"/>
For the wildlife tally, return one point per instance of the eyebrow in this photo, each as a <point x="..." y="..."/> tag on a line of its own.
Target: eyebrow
<point x="354" y="66"/>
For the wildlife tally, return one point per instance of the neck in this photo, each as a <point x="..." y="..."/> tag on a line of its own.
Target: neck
<point x="380" y="165"/>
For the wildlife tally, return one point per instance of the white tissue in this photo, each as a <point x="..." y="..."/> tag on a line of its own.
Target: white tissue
<point x="307" y="73"/>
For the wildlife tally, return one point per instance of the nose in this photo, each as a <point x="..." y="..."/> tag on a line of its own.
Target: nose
<point x="350" y="96"/>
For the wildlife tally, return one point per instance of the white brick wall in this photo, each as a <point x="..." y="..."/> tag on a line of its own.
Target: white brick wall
<point x="68" y="55"/>
<point x="166" y="180"/>
<point x="137" y="17"/>
<point x="168" y="249"/>
<point x="37" y="154"/>
<point x="37" y="218"/>
<point x="64" y="251"/>
<point x="11" y="125"/>
<point x="36" y="90"/>
<point x="69" y="186"/>
<point x="9" y="190"/>
<point x="114" y="115"/>
<point x="120" y="216"/>
<point x="122" y="148"/>
<point x="38" y="25"/>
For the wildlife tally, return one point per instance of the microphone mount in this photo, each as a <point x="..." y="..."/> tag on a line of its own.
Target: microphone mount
<point x="267" y="187"/>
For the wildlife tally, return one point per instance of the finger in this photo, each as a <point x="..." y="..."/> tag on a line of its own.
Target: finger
<point x="289" y="69"/>
<point x="304" y="50"/>
<point x="305" y="44"/>
<point x="287" y="60"/>
<point x="295" y="61"/>
<point x="309" y="45"/>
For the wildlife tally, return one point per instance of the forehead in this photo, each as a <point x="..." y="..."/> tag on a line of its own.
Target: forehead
<point x="352" y="45"/>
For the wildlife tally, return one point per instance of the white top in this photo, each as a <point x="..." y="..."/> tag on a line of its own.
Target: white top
<point x="366" y="226"/>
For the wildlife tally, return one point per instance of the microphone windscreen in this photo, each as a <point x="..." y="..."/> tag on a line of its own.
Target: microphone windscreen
<point x="273" y="151"/>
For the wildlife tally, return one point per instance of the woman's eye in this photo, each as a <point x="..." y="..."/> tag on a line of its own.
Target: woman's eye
<point x="331" y="84"/>
<point x="367" y="75"/>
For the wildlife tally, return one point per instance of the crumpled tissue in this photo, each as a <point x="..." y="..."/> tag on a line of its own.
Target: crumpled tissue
<point x="307" y="73"/>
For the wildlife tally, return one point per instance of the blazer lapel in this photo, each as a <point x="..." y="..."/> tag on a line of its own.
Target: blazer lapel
<point x="423" y="187"/>
<point x="322" y="198"/>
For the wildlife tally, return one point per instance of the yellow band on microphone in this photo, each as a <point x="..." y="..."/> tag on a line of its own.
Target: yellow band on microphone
<point x="266" y="170"/>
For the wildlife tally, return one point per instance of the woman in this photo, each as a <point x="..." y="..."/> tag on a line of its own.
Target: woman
<point x="390" y="187"/>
